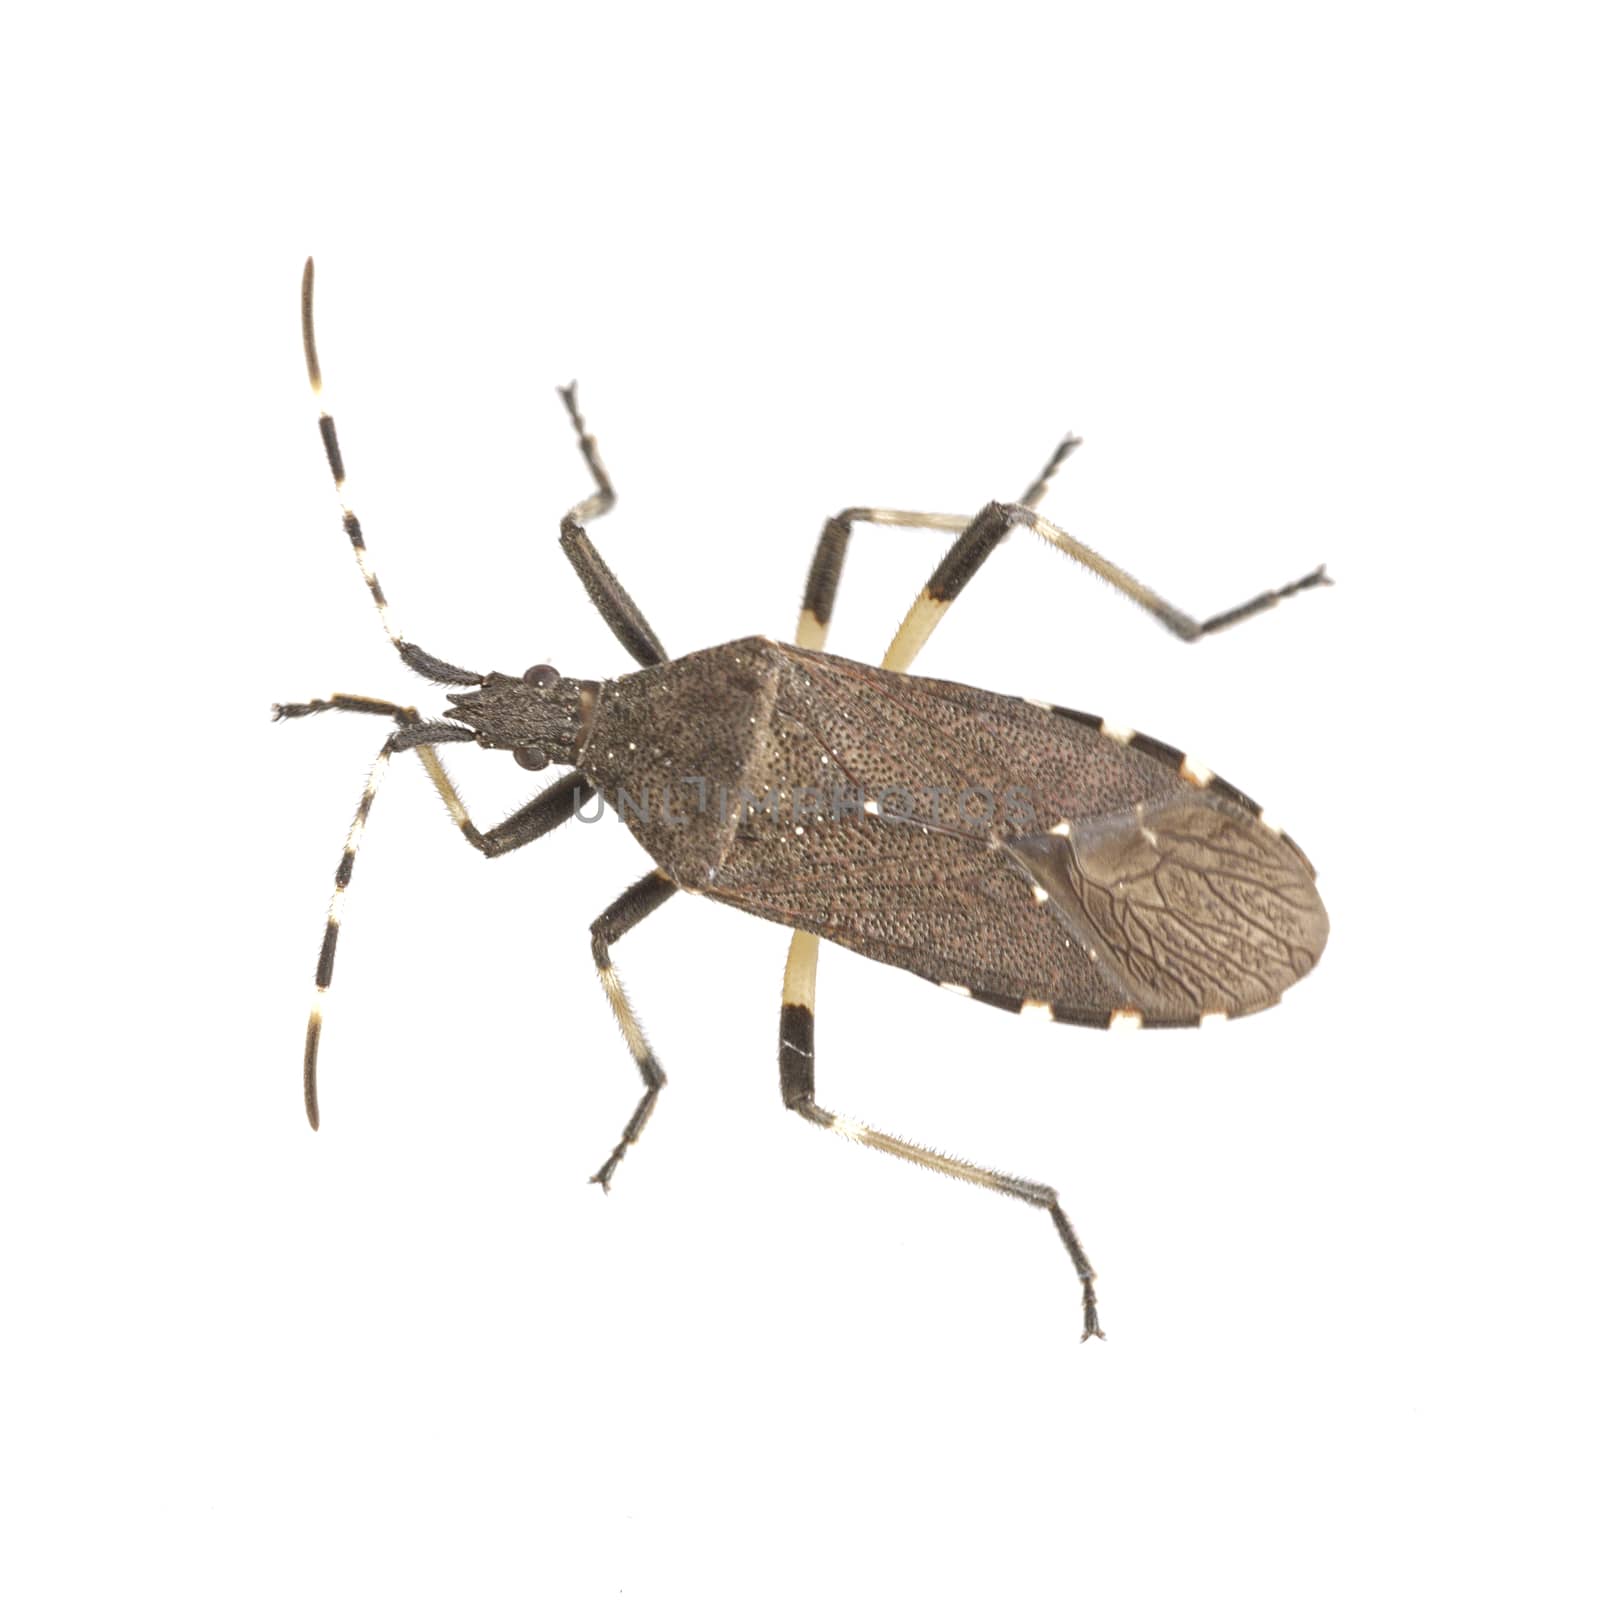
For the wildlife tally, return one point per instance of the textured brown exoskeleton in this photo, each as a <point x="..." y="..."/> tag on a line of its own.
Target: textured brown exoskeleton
<point x="1035" y="858"/>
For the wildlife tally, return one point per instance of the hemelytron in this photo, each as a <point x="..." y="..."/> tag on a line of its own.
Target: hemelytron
<point x="1133" y="888"/>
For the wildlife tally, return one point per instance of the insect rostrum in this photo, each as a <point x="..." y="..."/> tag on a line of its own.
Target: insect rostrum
<point x="1120" y="884"/>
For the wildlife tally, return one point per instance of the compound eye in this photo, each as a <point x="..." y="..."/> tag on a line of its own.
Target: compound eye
<point x="534" y="760"/>
<point x="541" y="677"/>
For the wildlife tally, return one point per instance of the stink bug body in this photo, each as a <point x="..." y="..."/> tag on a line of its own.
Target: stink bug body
<point x="1032" y="857"/>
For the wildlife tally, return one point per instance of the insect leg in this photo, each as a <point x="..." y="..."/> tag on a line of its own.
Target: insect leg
<point x="827" y="565"/>
<point x="610" y="599"/>
<point x="797" y="1079"/>
<point x="548" y="810"/>
<point x="418" y="659"/>
<point x="625" y="912"/>
<point x="796" y="1057"/>
<point x="564" y="799"/>
<point x="994" y="522"/>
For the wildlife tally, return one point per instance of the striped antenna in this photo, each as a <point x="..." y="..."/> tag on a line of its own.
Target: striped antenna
<point x="416" y="658"/>
<point x="330" y="938"/>
<point x="413" y="734"/>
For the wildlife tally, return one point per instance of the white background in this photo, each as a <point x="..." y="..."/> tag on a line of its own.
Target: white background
<point x="1314" y="288"/>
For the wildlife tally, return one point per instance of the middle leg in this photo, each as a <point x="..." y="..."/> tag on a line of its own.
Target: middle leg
<point x="627" y="911"/>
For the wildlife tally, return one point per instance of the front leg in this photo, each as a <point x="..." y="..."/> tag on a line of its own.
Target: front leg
<point x="627" y="911"/>
<point x="546" y="811"/>
<point x="605" y="591"/>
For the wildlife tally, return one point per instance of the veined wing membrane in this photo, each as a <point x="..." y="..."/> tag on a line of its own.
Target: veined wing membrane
<point x="1195" y="905"/>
